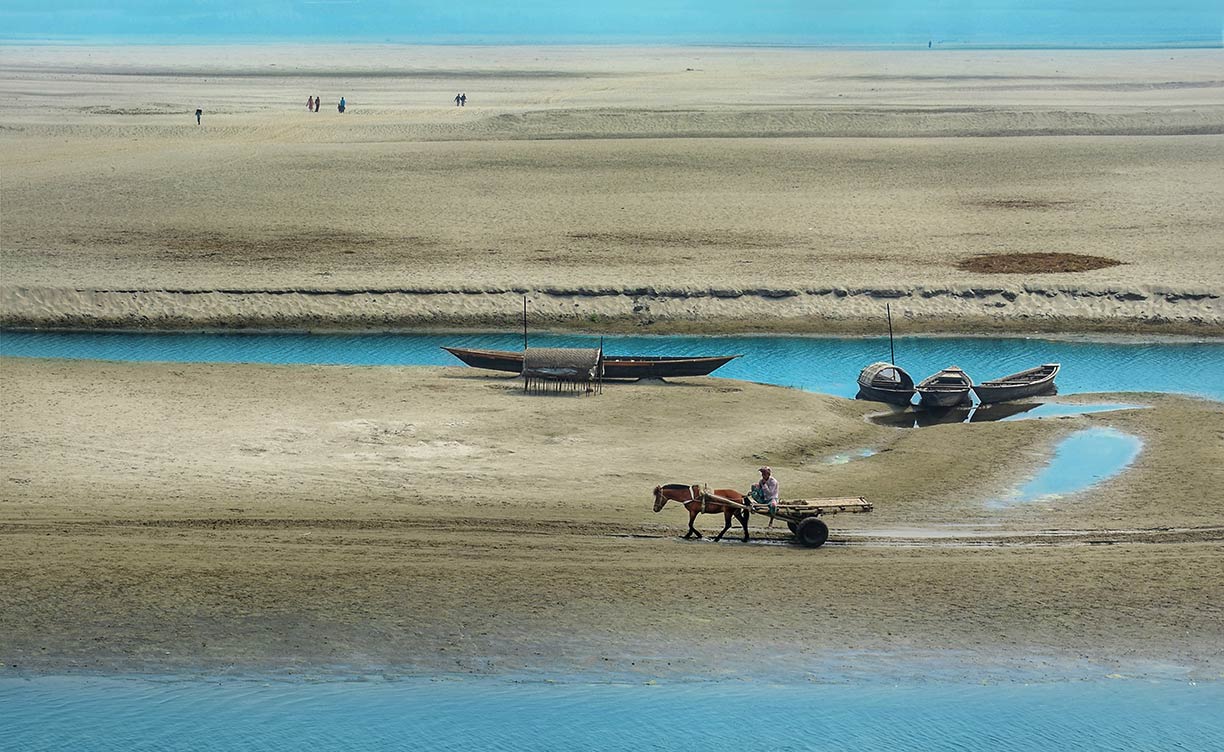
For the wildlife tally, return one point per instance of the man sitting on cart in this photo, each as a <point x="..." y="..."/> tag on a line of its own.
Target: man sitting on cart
<point x="766" y="491"/>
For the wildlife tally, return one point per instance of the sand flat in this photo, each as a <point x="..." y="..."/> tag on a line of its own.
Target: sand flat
<point x="248" y="518"/>
<point x="767" y="188"/>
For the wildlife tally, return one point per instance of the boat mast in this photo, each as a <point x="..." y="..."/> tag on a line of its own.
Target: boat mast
<point x="892" y="353"/>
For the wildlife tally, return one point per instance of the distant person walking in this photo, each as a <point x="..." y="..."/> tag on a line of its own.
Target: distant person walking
<point x="341" y="104"/>
<point x="458" y="97"/>
<point x="310" y="104"/>
<point x="318" y="99"/>
<point x="199" y="114"/>
<point x="463" y="100"/>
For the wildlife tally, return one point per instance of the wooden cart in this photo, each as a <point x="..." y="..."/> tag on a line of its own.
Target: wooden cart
<point x="802" y="516"/>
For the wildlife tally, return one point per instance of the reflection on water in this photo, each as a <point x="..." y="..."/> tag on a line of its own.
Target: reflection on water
<point x="487" y="714"/>
<point x="829" y="365"/>
<point x="911" y="417"/>
<point x="1080" y="461"/>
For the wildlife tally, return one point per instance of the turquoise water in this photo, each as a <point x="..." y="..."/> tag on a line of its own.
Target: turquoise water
<point x="1080" y="461"/>
<point x="58" y="713"/>
<point x="829" y="365"/>
<point x="1074" y="23"/>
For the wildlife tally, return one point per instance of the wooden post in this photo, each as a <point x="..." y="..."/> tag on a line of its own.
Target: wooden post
<point x="892" y="354"/>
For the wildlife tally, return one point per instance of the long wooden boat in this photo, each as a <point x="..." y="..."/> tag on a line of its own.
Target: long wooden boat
<point x="1029" y="383"/>
<point x="948" y="388"/>
<point x="885" y="382"/>
<point x="614" y="366"/>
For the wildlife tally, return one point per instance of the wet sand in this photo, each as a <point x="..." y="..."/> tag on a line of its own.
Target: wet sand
<point x="241" y="518"/>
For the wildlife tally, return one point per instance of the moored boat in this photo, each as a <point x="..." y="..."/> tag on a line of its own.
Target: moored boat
<point x="885" y="382"/>
<point x="948" y="388"/>
<point x="1028" y="383"/>
<point x="614" y="366"/>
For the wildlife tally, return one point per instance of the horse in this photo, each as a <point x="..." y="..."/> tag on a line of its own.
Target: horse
<point x="696" y="503"/>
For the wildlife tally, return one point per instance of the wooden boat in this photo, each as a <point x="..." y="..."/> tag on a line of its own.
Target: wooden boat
<point x="885" y="382"/>
<point x="1034" y="381"/>
<point x="614" y="366"/>
<point x="948" y="388"/>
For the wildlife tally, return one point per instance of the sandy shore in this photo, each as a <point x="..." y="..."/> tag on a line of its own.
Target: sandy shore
<point x="169" y="517"/>
<point x="693" y="189"/>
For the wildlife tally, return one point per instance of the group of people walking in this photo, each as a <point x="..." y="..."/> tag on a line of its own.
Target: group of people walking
<point x="461" y="100"/>
<point x="313" y="102"/>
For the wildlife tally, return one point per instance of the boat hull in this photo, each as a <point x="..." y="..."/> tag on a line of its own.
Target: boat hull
<point x="626" y="367"/>
<point x="948" y="388"/>
<point x="1030" y="383"/>
<point x="944" y="398"/>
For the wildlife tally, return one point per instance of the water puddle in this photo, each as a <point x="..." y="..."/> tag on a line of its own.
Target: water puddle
<point x="911" y="417"/>
<point x="842" y="458"/>
<point x="1081" y="460"/>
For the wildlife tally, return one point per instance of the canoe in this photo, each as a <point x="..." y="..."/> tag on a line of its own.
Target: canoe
<point x="948" y="388"/>
<point x="885" y="382"/>
<point x="1034" y="381"/>
<point x="615" y="366"/>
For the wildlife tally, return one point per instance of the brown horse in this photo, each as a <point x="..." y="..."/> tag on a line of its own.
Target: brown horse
<point x="695" y="502"/>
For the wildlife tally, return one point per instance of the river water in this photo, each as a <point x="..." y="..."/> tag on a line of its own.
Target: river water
<point x="169" y="714"/>
<point x="829" y="365"/>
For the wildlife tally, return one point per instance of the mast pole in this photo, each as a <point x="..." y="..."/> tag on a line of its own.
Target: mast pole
<point x="892" y="353"/>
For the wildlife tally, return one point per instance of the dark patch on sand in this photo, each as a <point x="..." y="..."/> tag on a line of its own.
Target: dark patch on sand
<point x="1023" y="203"/>
<point x="1035" y="263"/>
<point x="184" y="244"/>
<point x="687" y="239"/>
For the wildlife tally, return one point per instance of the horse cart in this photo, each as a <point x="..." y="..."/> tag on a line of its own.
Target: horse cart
<point x="802" y="516"/>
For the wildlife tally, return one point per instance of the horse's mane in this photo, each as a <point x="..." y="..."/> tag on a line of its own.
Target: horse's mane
<point x="677" y="486"/>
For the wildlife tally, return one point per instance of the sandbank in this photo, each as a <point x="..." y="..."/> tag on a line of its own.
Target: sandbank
<point x="245" y="518"/>
<point x="645" y="189"/>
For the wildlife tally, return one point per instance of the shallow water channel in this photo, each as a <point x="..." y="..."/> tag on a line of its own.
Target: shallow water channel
<point x="829" y="365"/>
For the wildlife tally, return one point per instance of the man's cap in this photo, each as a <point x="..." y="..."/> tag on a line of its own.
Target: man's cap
<point x="765" y="469"/>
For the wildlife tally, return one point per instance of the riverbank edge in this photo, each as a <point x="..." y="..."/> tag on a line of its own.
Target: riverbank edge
<point x="827" y="310"/>
<point x="850" y="667"/>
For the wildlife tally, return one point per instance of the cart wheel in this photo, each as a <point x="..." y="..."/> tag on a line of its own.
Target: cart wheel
<point x="793" y="528"/>
<point x="812" y="532"/>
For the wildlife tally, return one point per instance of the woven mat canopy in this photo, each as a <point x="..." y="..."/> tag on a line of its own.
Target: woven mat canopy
<point x="566" y="363"/>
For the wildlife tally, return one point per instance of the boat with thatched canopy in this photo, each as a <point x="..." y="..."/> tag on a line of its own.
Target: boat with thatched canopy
<point x="885" y="382"/>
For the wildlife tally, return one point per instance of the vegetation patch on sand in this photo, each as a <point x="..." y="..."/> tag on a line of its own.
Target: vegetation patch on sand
<point x="1035" y="263"/>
